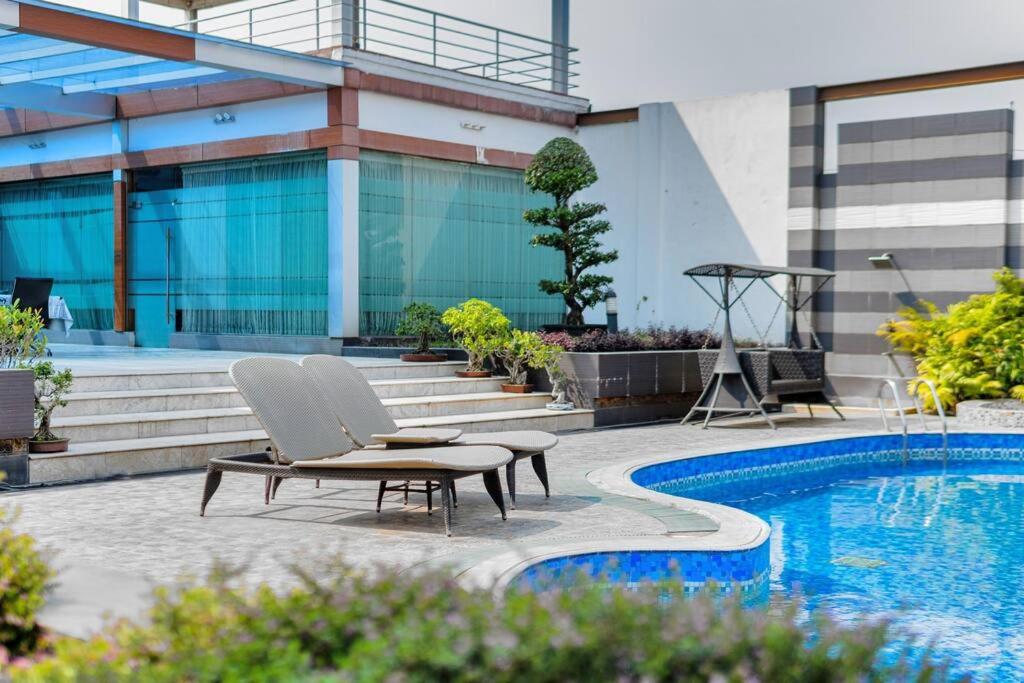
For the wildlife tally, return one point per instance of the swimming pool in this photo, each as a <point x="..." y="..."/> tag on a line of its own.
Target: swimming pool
<point x="856" y="531"/>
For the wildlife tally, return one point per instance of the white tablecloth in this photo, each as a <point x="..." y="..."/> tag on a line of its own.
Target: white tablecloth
<point x="60" y="314"/>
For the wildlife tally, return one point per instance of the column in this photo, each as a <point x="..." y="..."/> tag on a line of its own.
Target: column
<point x="119" y="145"/>
<point x="343" y="209"/>
<point x="560" y="46"/>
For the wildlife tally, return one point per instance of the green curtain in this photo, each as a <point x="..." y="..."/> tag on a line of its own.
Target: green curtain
<point x="62" y="229"/>
<point x="250" y="246"/>
<point x="442" y="232"/>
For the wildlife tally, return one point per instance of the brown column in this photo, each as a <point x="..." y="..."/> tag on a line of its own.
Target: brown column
<point x="343" y="114"/>
<point x="121" y="323"/>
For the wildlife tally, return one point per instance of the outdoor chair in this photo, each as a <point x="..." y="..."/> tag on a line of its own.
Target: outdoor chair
<point x="33" y="293"/>
<point x="308" y="442"/>
<point x="368" y="423"/>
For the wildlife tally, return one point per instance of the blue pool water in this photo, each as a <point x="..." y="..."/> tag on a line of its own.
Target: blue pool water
<point x="937" y="547"/>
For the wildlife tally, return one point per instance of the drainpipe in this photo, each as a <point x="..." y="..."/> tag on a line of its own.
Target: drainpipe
<point x="560" y="46"/>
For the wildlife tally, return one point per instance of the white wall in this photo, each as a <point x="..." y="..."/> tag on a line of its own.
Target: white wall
<point x="266" y="117"/>
<point x="71" y="143"/>
<point x="392" y="114"/>
<point x="690" y="183"/>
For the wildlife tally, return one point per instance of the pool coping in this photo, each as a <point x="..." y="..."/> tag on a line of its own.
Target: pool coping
<point x="736" y="530"/>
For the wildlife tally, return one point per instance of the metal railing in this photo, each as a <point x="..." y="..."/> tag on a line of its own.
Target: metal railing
<point x="401" y="30"/>
<point x="912" y="385"/>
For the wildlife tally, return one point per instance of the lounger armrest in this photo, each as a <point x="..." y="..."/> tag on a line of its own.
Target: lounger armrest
<point x="418" y="436"/>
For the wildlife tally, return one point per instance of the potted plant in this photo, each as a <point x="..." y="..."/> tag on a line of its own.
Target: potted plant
<point x="481" y="329"/>
<point x="20" y="345"/>
<point x="423" y="321"/>
<point x="50" y="387"/>
<point x="522" y="351"/>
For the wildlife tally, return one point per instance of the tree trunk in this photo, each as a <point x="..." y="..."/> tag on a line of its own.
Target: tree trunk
<point x="575" y="315"/>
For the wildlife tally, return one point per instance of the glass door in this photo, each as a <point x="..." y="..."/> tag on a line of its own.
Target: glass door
<point x="152" y="280"/>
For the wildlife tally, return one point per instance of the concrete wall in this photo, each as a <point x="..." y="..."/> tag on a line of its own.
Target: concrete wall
<point x="689" y="183"/>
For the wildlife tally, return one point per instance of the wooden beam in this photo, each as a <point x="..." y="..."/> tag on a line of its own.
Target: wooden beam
<point x="597" y="118"/>
<point x="942" y="79"/>
<point x="121" y="254"/>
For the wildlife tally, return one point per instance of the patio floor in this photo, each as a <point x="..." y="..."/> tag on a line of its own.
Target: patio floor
<point x="116" y="537"/>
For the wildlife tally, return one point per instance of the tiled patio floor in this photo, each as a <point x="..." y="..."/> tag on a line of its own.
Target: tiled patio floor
<point x="149" y="528"/>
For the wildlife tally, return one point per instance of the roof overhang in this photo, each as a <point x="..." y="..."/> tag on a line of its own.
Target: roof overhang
<point x="75" y="62"/>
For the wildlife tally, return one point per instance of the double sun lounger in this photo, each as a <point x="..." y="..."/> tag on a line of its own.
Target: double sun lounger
<point x="325" y="421"/>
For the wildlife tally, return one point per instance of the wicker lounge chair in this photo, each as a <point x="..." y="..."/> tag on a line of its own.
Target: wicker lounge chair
<point x="368" y="422"/>
<point x="309" y="443"/>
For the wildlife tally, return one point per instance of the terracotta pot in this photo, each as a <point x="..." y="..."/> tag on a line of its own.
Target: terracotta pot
<point x="473" y="373"/>
<point x="57" y="446"/>
<point x="423" y="357"/>
<point x="517" y="388"/>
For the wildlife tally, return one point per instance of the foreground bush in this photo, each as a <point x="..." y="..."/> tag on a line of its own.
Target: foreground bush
<point x="974" y="350"/>
<point x="24" y="575"/>
<point x="394" y="627"/>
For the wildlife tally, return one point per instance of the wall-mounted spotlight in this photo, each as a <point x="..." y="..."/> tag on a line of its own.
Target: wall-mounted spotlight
<point x="468" y="125"/>
<point x="224" y="117"/>
<point x="37" y="144"/>
<point x="883" y="261"/>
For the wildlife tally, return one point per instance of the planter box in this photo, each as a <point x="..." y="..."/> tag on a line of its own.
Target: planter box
<point x="16" y="423"/>
<point x="624" y="387"/>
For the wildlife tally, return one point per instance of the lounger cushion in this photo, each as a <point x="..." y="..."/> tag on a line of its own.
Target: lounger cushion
<point x="464" y="458"/>
<point x="514" y="441"/>
<point x="418" y="435"/>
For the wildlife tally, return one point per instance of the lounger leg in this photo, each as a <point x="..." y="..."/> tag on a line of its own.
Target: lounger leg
<point x="274" y="487"/>
<point x="493" y="485"/>
<point x="455" y="499"/>
<point x="318" y="483"/>
<point x="836" y="410"/>
<point x="380" y="494"/>
<point x="540" y="466"/>
<point x="406" y="501"/>
<point x="430" y="498"/>
<point x="510" y="480"/>
<point x="266" y="490"/>
<point x="213" y="478"/>
<point x="446" y="505"/>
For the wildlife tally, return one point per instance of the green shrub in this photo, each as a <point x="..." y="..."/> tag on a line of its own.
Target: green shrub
<point x="20" y="340"/>
<point x="50" y="387"/>
<point x="480" y="328"/>
<point x="24" y="575"/>
<point x="423" y="321"/>
<point x="524" y="350"/>
<point x="974" y="350"/>
<point x="395" y="627"/>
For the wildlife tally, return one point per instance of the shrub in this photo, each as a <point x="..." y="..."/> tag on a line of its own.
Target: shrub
<point x="524" y="350"/>
<point x="478" y="327"/>
<point x="395" y="627"/>
<point x="24" y="575"/>
<point x="20" y="340"/>
<point x="423" y="321"/>
<point x="50" y="388"/>
<point x="650" y="339"/>
<point x="561" y="169"/>
<point x="974" y="350"/>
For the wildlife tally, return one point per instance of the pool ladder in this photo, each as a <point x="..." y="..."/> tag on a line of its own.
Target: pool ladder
<point x="915" y="383"/>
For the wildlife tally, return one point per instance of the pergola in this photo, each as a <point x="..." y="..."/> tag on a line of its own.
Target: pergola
<point x="76" y="62"/>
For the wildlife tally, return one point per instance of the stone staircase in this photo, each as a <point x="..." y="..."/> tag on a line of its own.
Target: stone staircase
<point x="138" y="423"/>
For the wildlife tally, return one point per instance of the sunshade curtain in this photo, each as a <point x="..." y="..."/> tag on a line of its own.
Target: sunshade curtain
<point x="442" y="232"/>
<point x="62" y="229"/>
<point x="250" y="249"/>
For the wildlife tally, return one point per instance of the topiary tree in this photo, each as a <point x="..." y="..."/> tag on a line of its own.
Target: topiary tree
<point x="480" y="328"/>
<point x="561" y="169"/>
<point x="423" y="321"/>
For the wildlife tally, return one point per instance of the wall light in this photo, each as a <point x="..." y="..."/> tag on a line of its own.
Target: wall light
<point x="611" y="309"/>
<point x="472" y="126"/>
<point x="224" y="117"/>
<point x="37" y="144"/>
<point x="883" y="261"/>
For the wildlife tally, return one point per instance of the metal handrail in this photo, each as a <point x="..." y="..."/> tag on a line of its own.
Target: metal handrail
<point x="891" y="383"/>
<point x="404" y="30"/>
<point x="912" y="389"/>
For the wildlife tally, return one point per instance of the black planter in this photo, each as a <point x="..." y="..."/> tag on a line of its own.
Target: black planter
<point x="625" y="387"/>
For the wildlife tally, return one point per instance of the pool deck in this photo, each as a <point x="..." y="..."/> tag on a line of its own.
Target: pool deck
<point x="113" y="540"/>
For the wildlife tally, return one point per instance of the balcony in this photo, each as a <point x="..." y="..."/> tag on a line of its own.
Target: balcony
<point x="395" y="29"/>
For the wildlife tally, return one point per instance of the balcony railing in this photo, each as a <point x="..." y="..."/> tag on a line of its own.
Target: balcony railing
<point x="400" y="30"/>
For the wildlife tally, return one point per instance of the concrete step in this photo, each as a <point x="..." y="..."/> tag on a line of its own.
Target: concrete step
<point x="117" y="426"/>
<point x="99" y="459"/>
<point x="179" y="380"/>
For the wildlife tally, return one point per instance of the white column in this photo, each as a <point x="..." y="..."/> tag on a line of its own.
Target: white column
<point x="192" y="17"/>
<point x="130" y="9"/>
<point x="343" y="247"/>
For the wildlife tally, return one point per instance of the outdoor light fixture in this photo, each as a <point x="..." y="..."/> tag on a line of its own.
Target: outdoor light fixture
<point x="37" y="144"/>
<point x="224" y="117"/>
<point x="472" y="126"/>
<point x="611" y="309"/>
<point x="883" y="261"/>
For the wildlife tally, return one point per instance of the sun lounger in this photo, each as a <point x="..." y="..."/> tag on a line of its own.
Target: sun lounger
<point x="367" y="421"/>
<point x="308" y="442"/>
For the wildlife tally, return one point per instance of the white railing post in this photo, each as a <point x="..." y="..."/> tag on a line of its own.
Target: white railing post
<point x="560" y="46"/>
<point x="345" y="22"/>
